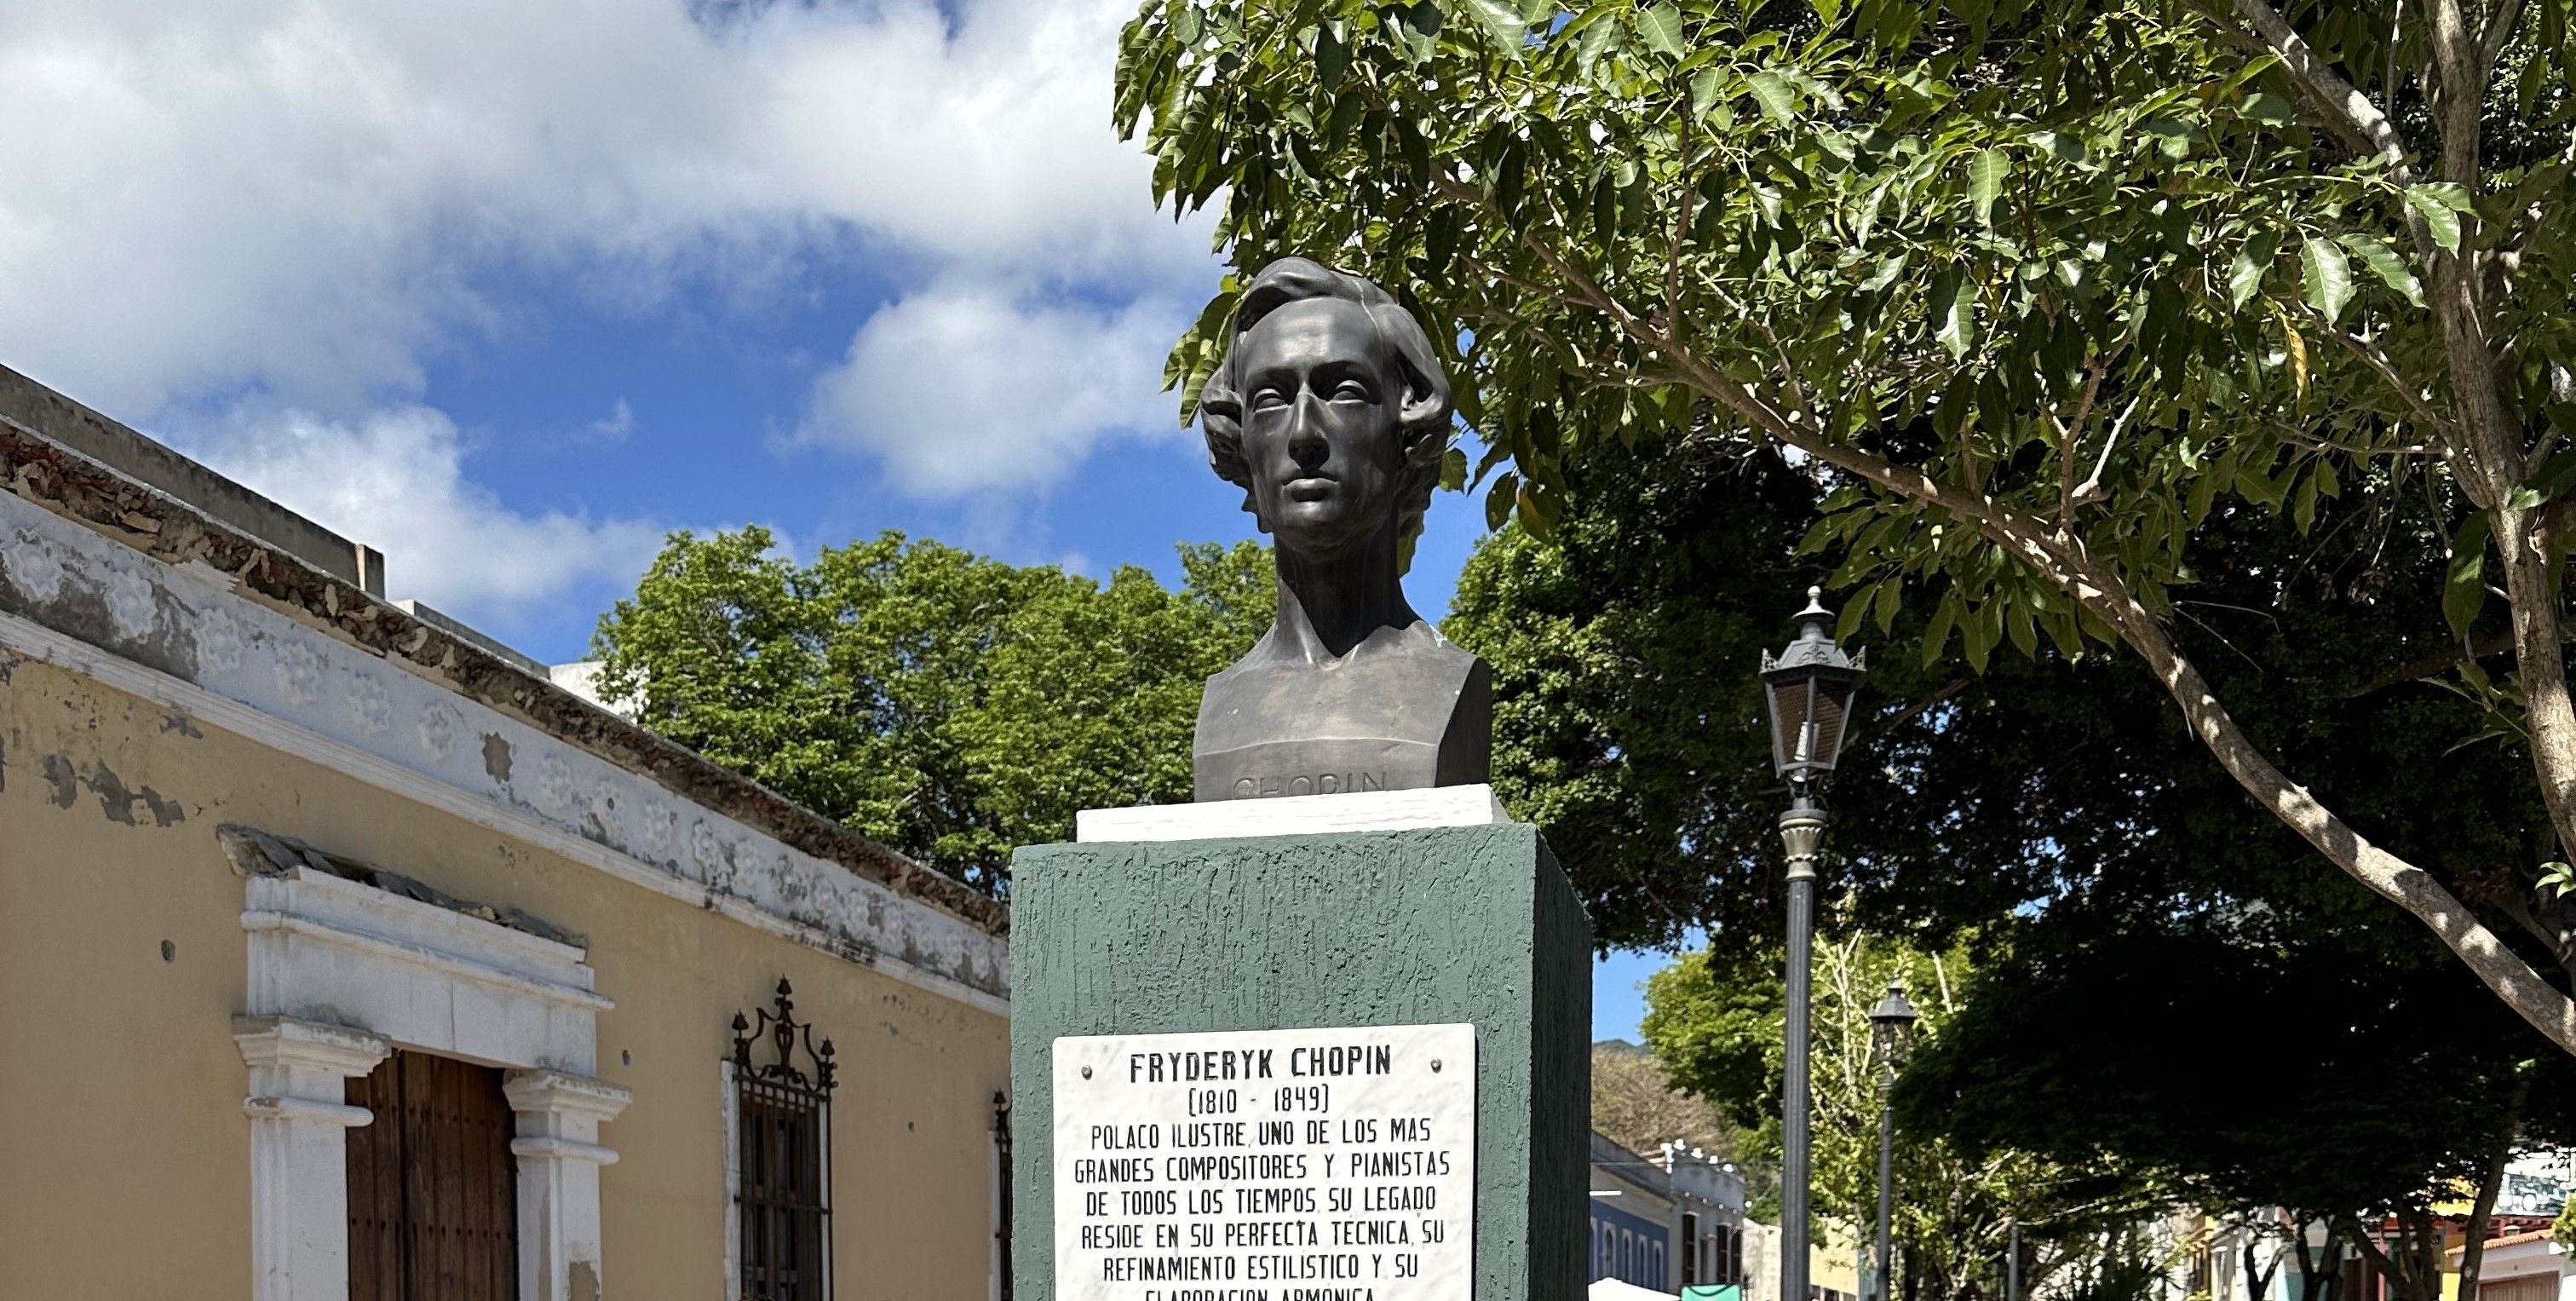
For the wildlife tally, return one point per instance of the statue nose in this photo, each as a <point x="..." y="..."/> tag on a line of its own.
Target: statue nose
<point x="1306" y="442"/>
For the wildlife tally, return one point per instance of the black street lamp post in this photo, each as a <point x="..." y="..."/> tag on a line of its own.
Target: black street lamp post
<point x="1807" y="690"/>
<point x="1891" y="1025"/>
<point x="2012" y="1264"/>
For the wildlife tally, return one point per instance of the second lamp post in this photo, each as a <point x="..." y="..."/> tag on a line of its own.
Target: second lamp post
<point x="1891" y="1026"/>
<point x="1807" y="690"/>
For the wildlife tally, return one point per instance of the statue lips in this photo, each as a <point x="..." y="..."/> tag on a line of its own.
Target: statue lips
<point x="1311" y="487"/>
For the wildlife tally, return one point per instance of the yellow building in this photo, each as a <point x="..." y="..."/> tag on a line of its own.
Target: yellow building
<point x="342" y="954"/>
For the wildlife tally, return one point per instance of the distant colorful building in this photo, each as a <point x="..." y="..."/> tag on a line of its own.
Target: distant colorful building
<point x="1669" y="1222"/>
<point x="2526" y="1266"/>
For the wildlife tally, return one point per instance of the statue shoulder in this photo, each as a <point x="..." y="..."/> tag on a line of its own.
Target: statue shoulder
<point x="1423" y="640"/>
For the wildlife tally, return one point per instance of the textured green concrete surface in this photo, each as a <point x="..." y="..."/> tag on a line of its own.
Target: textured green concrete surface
<point x="1431" y="926"/>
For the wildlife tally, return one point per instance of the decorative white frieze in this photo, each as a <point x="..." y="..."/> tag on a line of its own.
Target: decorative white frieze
<point x="241" y="665"/>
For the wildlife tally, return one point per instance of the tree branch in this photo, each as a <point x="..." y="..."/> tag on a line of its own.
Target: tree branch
<point x="2482" y="1212"/>
<point x="2350" y="112"/>
<point x="2070" y="436"/>
<point x="2410" y="887"/>
<point x="2359" y="1235"/>
<point x="2491" y="47"/>
<point x="2425" y="666"/>
<point x="2378" y="361"/>
<point x="2061" y="556"/>
<point x="1921" y="707"/>
<point x="2090" y="491"/>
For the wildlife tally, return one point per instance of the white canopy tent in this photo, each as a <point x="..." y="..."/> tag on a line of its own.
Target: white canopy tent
<point x="1611" y="1289"/>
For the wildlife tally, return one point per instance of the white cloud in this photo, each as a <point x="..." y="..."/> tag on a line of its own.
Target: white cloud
<point x="964" y="387"/>
<point x="395" y="479"/>
<point x="310" y="204"/>
<point x="615" y="426"/>
<point x="314" y="201"/>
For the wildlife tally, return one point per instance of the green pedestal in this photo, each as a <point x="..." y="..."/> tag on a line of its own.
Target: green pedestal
<point x="1437" y="925"/>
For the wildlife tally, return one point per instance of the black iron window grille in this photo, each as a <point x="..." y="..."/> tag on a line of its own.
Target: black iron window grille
<point x="782" y="1136"/>
<point x="1002" y="1192"/>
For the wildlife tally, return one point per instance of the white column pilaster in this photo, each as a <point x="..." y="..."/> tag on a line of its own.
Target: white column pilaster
<point x="559" y="1115"/>
<point x="299" y="1172"/>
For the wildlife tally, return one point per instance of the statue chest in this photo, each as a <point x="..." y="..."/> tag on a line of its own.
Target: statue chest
<point x="1380" y="722"/>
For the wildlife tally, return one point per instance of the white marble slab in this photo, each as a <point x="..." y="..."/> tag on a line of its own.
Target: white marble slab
<point x="1266" y="1163"/>
<point x="1294" y="815"/>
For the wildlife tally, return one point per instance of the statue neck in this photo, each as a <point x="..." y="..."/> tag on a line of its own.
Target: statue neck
<point x="1329" y="605"/>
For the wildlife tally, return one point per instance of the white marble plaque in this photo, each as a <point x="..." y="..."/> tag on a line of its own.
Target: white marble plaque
<point x="1266" y="1165"/>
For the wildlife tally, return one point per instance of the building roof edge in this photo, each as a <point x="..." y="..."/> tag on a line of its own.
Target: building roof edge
<point x="70" y="483"/>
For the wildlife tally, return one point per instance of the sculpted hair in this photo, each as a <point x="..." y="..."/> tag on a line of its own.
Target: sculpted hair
<point x="1423" y="408"/>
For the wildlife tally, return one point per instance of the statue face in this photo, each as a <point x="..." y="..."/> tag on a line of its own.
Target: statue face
<point x="1321" y="401"/>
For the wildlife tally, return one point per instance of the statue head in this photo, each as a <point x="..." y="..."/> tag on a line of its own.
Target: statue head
<point x="1329" y="409"/>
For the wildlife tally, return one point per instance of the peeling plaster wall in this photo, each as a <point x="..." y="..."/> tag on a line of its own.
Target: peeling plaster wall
<point x="185" y="623"/>
<point x="124" y="1085"/>
<point x="123" y="1088"/>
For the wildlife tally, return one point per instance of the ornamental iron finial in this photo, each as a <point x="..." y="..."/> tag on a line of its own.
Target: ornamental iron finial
<point x="785" y="1034"/>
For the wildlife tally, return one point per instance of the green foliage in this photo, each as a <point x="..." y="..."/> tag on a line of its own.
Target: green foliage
<point x="1997" y="219"/>
<point x="1717" y="1028"/>
<point x="1626" y="717"/>
<point x="1628" y="724"/>
<point x="2058" y="299"/>
<point x="948" y="705"/>
<point x="2563" y="1229"/>
<point x="2128" y="1271"/>
<point x="2338" y="1073"/>
<point x="2045" y="812"/>
<point x="1715" y="1020"/>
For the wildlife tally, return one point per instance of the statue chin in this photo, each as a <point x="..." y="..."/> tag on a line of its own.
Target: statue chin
<point x="1405" y="711"/>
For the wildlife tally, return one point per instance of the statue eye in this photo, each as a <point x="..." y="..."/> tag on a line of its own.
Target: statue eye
<point x="1269" y="397"/>
<point x="1351" y="390"/>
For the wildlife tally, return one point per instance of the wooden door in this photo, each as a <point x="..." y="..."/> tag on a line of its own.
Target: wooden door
<point x="433" y="1189"/>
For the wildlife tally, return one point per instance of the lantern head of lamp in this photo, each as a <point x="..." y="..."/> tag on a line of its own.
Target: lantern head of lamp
<point x="1891" y="1023"/>
<point x="1808" y="689"/>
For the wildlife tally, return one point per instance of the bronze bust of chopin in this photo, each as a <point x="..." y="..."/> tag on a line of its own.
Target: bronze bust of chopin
<point x="1331" y="413"/>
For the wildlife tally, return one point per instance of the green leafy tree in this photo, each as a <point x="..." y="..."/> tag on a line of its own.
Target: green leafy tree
<point x="1628" y="725"/>
<point x="1714" y="1019"/>
<point x="2044" y="288"/>
<point x="949" y="705"/>
<point x="2249" y="1059"/>
<point x="2049" y="812"/>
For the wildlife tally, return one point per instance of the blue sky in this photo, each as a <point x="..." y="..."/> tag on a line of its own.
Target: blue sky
<point x="1619" y="993"/>
<point x="509" y="291"/>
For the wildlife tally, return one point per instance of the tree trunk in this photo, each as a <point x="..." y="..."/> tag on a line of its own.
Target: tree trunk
<point x="2473" y="1251"/>
<point x="2410" y="1260"/>
<point x="2415" y="1258"/>
<point x="2314" y="1286"/>
<point x="2523" y="989"/>
<point x="2258" y="1283"/>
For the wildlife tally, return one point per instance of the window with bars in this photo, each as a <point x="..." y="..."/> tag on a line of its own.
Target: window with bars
<point x="433" y="1189"/>
<point x="1690" y="1248"/>
<point x="783" y="1157"/>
